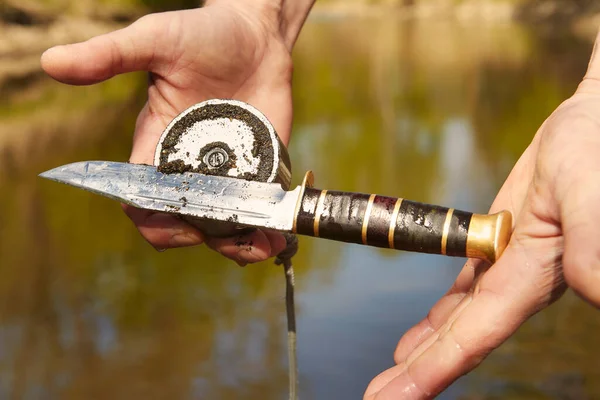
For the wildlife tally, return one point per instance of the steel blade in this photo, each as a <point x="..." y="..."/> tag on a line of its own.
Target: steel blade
<point x="196" y="195"/>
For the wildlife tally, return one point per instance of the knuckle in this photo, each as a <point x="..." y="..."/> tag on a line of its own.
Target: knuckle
<point x="471" y="353"/>
<point x="414" y="389"/>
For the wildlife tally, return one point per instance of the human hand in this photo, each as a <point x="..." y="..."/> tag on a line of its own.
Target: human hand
<point x="554" y="194"/>
<point x="227" y="49"/>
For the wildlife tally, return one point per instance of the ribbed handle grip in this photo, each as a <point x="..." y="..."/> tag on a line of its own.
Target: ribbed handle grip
<point x="395" y="223"/>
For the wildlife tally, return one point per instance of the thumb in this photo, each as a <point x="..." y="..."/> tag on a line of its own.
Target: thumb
<point x="102" y="57"/>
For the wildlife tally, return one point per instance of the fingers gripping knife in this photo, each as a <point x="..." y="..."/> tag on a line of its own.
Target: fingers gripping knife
<point x="221" y="166"/>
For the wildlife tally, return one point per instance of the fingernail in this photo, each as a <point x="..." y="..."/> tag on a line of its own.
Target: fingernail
<point x="160" y="250"/>
<point x="240" y="263"/>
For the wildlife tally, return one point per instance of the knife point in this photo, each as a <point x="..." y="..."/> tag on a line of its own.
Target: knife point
<point x="69" y="174"/>
<point x="50" y="174"/>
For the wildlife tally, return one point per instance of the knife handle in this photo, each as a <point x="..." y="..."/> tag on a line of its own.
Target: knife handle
<point x="390" y="222"/>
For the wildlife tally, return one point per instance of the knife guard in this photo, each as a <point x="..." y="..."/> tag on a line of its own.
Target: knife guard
<point x="396" y="223"/>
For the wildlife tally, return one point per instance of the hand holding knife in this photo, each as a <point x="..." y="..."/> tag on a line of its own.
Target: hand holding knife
<point x="220" y="200"/>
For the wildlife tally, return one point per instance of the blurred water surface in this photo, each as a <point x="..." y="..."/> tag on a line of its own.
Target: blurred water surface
<point x="431" y="111"/>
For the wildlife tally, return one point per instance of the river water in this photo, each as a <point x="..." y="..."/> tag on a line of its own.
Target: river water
<point x="430" y="111"/>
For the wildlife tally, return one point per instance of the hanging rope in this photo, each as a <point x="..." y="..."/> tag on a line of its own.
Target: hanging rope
<point x="285" y="258"/>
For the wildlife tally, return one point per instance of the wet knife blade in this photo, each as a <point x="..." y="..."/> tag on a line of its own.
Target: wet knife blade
<point x="368" y="219"/>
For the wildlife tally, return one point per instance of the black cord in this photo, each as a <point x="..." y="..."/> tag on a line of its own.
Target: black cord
<point x="285" y="258"/>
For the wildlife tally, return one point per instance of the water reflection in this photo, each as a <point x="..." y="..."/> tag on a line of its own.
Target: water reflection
<point x="435" y="112"/>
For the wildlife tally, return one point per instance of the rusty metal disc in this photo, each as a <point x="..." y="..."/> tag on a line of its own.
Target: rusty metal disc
<point x="224" y="138"/>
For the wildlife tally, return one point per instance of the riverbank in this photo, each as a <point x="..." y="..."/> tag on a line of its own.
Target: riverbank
<point x="27" y="28"/>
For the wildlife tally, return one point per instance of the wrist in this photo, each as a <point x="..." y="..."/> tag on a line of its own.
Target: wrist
<point x="293" y="17"/>
<point x="286" y="16"/>
<point x="591" y="81"/>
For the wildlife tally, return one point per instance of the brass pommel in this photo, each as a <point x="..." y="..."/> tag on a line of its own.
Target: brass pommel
<point x="489" y="235"/>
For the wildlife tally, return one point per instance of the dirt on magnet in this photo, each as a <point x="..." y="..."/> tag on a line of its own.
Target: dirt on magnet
<point x="262" y="145"/>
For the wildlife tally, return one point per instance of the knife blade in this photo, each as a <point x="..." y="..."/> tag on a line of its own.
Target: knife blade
<point x="368" y="219"/>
